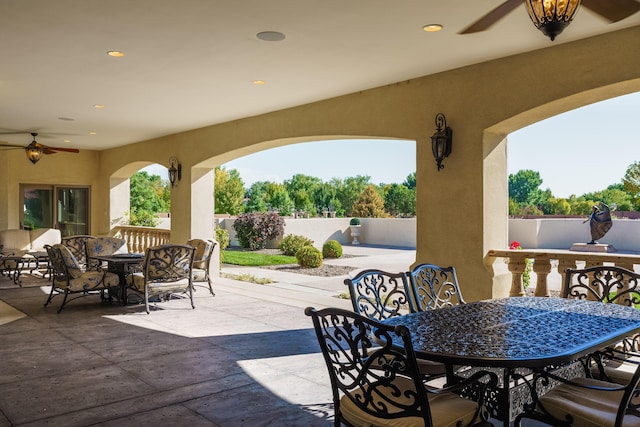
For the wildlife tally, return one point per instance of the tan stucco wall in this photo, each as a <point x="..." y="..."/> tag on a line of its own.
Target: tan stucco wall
<point x="58" y="169"/>
<point x="461" y="209"/>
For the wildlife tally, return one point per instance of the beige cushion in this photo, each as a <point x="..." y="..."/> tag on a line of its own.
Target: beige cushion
<point x="44" y="236"/>
<point x="199" y="275"/>
<point x="589" y="408"/>
<point x="15" y="240"/>
<point x="137" y="281"/>
<point x="447" y="410"/>
<point x="90" y="280"/>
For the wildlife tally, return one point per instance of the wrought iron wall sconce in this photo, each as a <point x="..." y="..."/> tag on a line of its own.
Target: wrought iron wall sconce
<point x="441" y="141"/>
<point x="175" y="171"/>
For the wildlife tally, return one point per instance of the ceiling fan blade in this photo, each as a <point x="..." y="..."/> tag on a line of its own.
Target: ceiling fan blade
<point x="492" y="17"/>
<point x="52" y="150"/>
<point x="613" y="10"/>
<point x="10" y="146"/>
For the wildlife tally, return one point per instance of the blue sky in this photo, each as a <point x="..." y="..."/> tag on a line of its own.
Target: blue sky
<point x="581" y="151"/>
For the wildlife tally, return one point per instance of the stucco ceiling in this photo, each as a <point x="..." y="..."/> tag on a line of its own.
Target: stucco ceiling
<point x="192" y="63"/>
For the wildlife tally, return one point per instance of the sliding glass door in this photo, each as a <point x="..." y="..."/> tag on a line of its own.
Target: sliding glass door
<point x="50" y="206"/>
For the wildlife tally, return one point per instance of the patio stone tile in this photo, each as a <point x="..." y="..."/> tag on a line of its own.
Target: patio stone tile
<point x="43" y="397"/>
<point x="144" y="344"/>
<point x="267" y="344"/>
<point x="183" y="367"/>
<point x="264" y="408"/>
<point x="168" y="416"/>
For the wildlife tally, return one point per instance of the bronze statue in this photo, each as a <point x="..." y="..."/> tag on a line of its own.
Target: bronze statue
<point x="600" y="222"/>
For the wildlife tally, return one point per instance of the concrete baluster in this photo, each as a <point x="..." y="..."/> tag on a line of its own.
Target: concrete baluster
<point x="542" y="268"/>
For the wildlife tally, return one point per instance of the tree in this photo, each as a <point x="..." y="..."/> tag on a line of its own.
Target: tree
<point x="369" y="205"/>
<point x="228" y="192"/>
<point x="301" y="189"/>
<point x="613" y="195"/>
<point x="277" y="199"/>
<point x="325" y="198"/>
<point x="400" y="200"/>
<point x="147" y="198"/>
<point x="631" y="183"/>
<point x="349" y="190"/>
<point x="255" y="196"/>
<point x="410" y="182"/>
<point x="523" y="186"/>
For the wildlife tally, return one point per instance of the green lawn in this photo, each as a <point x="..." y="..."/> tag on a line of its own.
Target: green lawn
<point x="255" y="259"/>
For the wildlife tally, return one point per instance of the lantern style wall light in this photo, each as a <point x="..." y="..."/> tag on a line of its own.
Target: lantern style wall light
<point x="441" y="141"/>
<point x="175" y="171"/>
<point x="551" y="16"/>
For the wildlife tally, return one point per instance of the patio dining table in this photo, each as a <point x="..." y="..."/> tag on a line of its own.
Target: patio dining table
<point x="516" y="335"/>
<point x="122" y="264"/>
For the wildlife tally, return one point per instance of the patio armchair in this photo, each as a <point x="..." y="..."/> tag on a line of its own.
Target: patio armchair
<point x="434" y="287"/>
<point x="585" y="402"/>
<point x="201" y="260"/>
<point x="609" y="284"/>
<point x="166" y="270"/>
<point x="78" y="247"/>
<point x="375" y="378"/>
<point x="100" y="246"/>
<point x="379" y="295"/>
<point x="69" y="278"/>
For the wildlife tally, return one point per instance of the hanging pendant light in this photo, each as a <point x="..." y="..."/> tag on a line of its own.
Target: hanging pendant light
<point x="551" y="16"/>
<point x="33" y="150"/>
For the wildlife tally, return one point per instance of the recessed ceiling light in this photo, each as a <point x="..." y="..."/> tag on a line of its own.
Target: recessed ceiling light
<point x="432" y="28"/>
<point x="98" y="106"/>
<point x="66" y="140"/>
<point x="93" y="133"/>
<point x="259" y="82"/>
<point x="67" y="119"/>
<point x="115" y="53"/>
<point x="271" y="36"/>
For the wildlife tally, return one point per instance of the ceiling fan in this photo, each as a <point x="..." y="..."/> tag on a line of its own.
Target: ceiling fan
<point x="553" y="16"/>
<point x="35" y="150"/>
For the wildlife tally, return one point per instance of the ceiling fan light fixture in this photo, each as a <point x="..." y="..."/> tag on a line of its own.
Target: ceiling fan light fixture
<point x="34" y="151"/>
<point x="551" y="16"/>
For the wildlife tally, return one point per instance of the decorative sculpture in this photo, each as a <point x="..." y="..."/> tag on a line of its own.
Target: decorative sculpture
<point x="600" y="222"/>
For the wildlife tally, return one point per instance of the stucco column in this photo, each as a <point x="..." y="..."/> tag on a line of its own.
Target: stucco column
<point x="192" y="206"/>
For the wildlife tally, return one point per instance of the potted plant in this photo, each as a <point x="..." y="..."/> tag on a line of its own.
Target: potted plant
<point x="354" y="225"/>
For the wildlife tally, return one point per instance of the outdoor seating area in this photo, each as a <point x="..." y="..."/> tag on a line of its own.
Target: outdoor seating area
<point x="254" y="382"/>
<point x="563" y="361"/>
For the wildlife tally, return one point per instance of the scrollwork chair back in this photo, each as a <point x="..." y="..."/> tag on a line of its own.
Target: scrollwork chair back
<point x="434" y="287"/>
<point x="378" y="294"/>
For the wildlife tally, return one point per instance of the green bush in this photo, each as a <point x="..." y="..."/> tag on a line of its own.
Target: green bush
<point x="256" y="228"/>
<point x="291" y="243"/>
<point x="354" y="221"/>
<point x="142" y="218"/>
<point x="332" y="249"/>
<point x="309" y="256"/>
<point x="222" y="237"/>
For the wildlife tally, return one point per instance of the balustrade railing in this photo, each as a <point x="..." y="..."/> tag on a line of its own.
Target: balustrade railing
<point x="542" y="264"/>
<point x="140" y="238"/>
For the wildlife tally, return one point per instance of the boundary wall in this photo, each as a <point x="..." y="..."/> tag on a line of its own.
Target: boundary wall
<point x="543" y="233"/>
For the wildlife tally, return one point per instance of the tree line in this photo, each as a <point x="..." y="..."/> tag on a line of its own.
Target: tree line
<point x="527" y="198"/>
<point x="357" y="196"/>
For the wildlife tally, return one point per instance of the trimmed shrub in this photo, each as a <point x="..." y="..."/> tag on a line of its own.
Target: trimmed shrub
<point x="332" y="249"/>
<point x="254" y="229"/>
<point x="354" y="221"/>
<point x="222" y="237"/>
<point x="309" y="256"/>
<point x="292" y="243"/>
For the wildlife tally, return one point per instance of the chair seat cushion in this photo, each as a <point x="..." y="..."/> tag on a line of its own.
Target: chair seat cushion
<point x="588" y="408"/>
<point x="137" y="281"/>
<point x="447" y="410"/>
<point x="90" y="280"/>
<point x="199" y="275"/>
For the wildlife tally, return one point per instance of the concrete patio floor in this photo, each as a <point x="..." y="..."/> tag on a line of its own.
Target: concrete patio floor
<point x="245" y="357"/>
